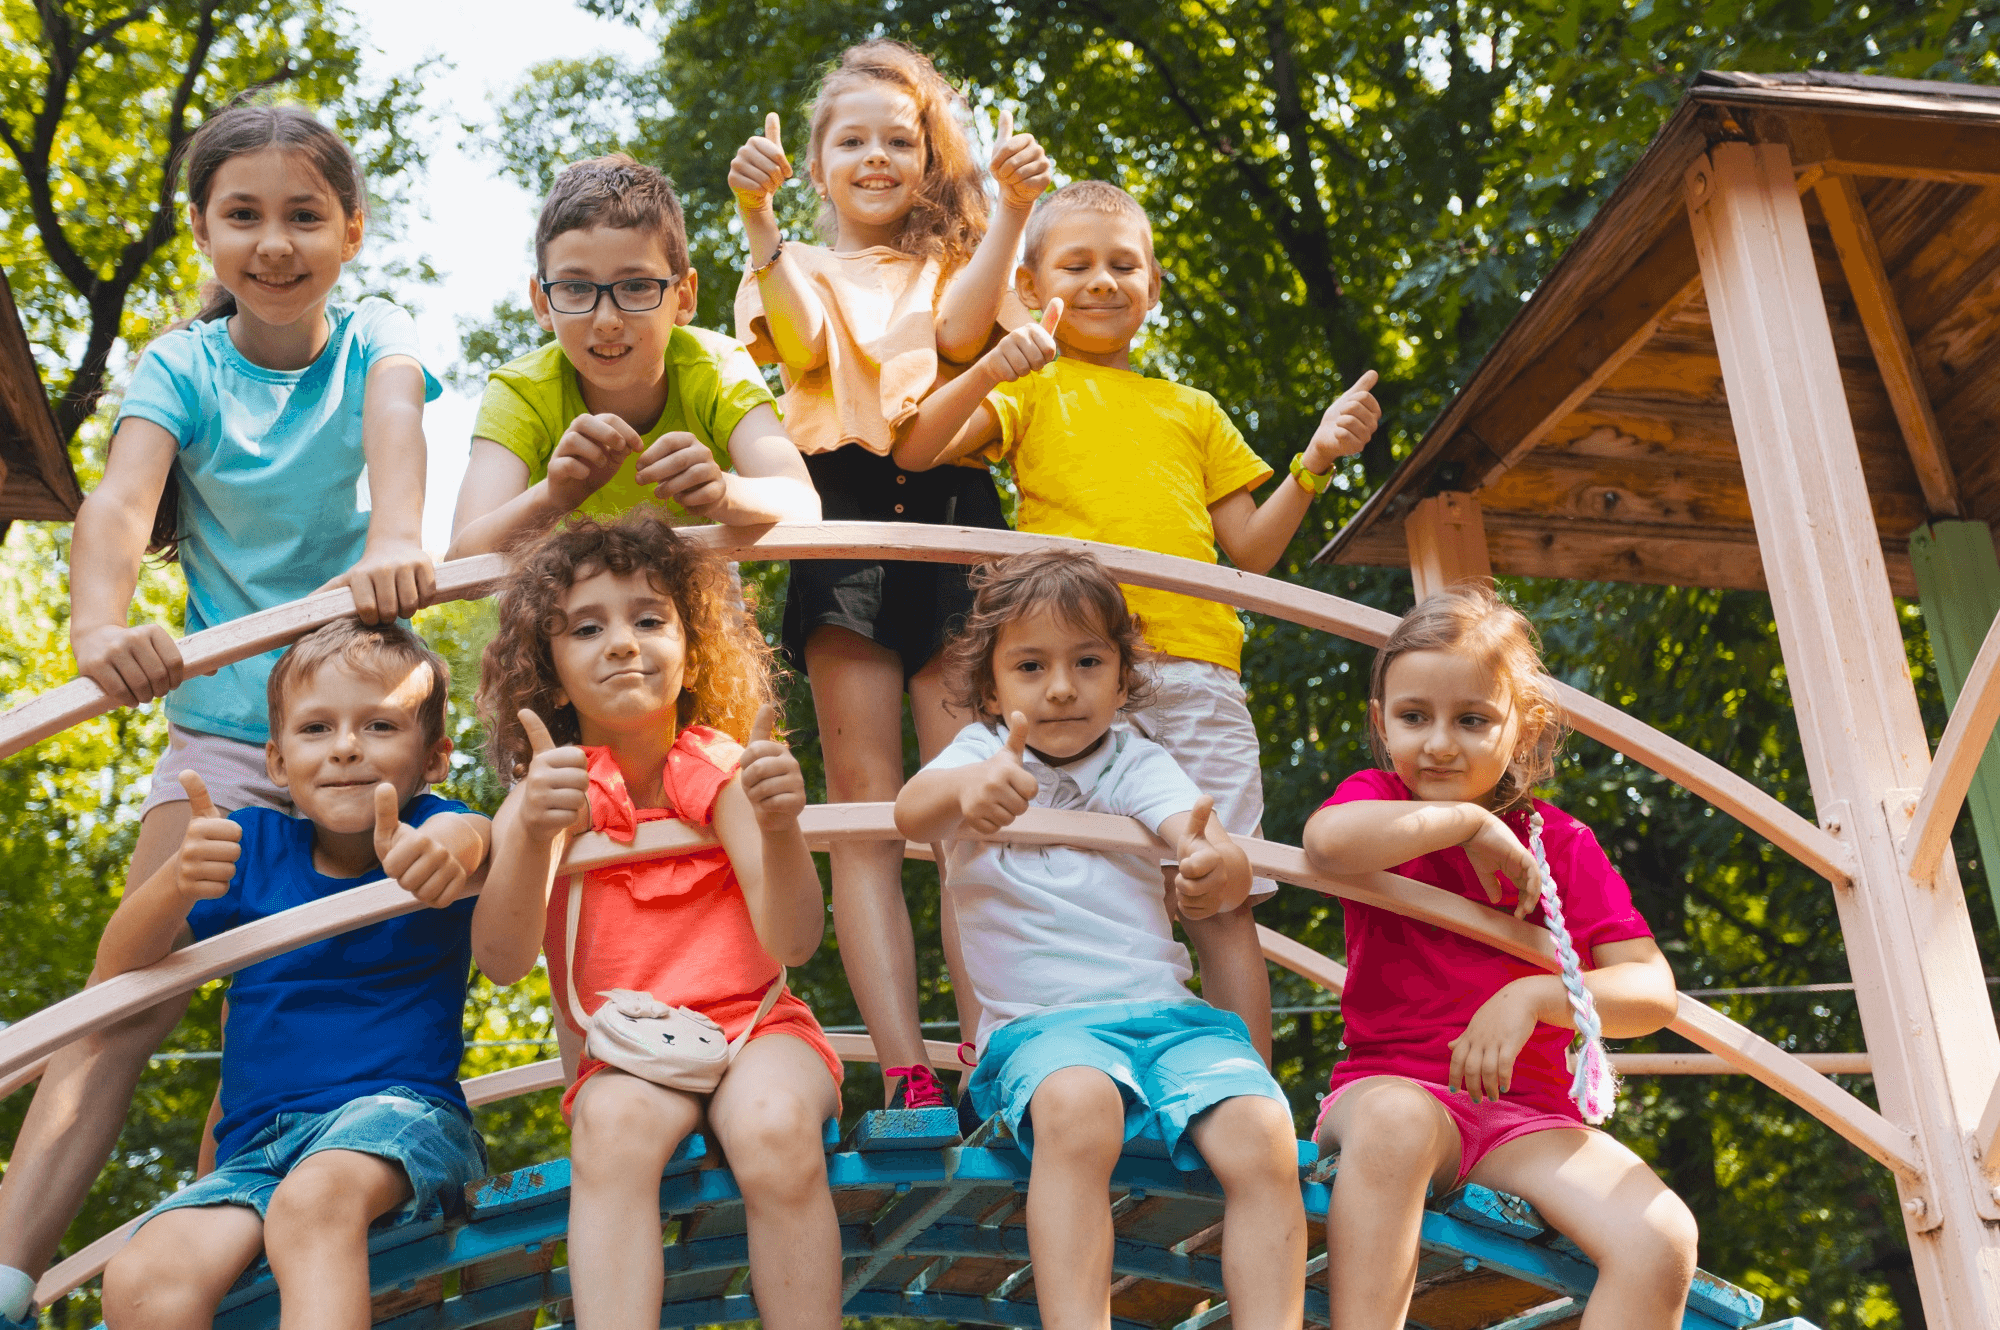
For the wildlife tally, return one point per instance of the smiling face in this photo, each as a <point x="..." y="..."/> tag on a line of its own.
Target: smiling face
<point x="1101" y="266"/>
<point x="620" y="357"/>
<point x="1449" y="723"/>
<point x="869" y="162"/>
<point x="1067" y="680"/>
<point x="621" y="657"/>
<point x="346" y="728"/>
<point x="276" y="235"/>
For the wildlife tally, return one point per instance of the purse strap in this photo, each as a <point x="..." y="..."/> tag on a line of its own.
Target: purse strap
<point x="574" y="912"/>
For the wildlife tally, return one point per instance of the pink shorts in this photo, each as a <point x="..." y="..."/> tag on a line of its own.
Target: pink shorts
<point x="1482" y="1127"/>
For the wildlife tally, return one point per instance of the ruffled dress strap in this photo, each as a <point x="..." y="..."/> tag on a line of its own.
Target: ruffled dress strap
<point x="699" y="764"/>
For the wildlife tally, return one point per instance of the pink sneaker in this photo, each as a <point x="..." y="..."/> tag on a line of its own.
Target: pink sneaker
<point x="919" y="1088"/>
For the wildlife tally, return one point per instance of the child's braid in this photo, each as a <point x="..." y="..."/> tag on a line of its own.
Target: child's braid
<point x="1595" y="1088"/>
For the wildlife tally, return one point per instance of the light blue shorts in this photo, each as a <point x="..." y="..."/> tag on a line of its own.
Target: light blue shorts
<point x="431" y="1139"/>
<point x="1172" y="1061"/>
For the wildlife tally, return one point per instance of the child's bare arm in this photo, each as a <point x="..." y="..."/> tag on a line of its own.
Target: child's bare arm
<point x="796" y="317"/>
<point x="529" y="837"/>
<point x="982" y="796"/>
<point x="151" y="920"/>
<point x="496" y="502"/>
<point x="1255" y="537"/>
<point x="770" y="482"/>
<point x="395" y="576"/>
<point x="955" y="421"/>
<point x="757" y="817"/>
<point x="132" y="664"/>
<point x="1372" y="834"/>
<point x="1632" y="988"/>
<point x="969" y="305"/>
<point x="1233" y="974"/>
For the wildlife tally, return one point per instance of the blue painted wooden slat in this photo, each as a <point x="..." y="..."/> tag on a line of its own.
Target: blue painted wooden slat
<point x="905" y="1129"/>
<point x="1497" y="1210"/>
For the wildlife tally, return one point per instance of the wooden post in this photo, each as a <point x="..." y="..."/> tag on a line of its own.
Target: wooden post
<point x="1924" y="1007"/>
<point x="1447" y="540"/>
<point x="1958" y="580"/>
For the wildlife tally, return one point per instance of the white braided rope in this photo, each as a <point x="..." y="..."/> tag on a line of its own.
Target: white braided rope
<point x="1595" y="1087"/>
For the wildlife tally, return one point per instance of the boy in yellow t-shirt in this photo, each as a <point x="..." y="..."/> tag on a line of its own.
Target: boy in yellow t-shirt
<point x="1102" y="453"/>
<point x="629" y="404"/>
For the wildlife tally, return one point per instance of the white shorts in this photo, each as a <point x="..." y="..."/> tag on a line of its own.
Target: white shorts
<point x="1199" y="715"/>
<point x="234" y="772"/>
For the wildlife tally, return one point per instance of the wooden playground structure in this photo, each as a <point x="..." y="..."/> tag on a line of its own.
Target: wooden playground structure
<point x="1758" y="198"/>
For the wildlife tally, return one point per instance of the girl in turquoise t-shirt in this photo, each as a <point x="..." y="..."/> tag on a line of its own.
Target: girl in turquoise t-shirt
<point x="249" y="442"/>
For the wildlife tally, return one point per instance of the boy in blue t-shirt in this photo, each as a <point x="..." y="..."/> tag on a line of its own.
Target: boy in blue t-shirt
<point x="340" y="1094"/>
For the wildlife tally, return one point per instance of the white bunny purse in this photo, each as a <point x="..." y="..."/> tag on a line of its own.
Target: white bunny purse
<point x="635" y="1032"/>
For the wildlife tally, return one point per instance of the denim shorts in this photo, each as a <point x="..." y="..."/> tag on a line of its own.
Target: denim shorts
<point x="1171" y="1061"/>
<point x="432" y="1139"/>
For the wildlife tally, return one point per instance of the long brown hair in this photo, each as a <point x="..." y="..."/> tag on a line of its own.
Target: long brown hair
<point x="728" y="662"/>
<point x="948" y="218"/>
<point x="244" y="128"/>
<point x="1471" y="621"/>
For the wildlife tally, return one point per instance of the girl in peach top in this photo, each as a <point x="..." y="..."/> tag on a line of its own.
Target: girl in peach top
<point x="907" y="289"/>
<point x="629" y="641"/>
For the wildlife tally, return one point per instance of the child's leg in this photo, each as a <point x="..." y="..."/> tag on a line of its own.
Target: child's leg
<point x="622" y="1132"/>
<point x="316" y="1236"/>
<point x="1612" y="1205"/>
<point x="79" y="1108"/>
<point x="858" y="695"/>
<point x="938" y="723"/>
<point x="767" y="1114"/>
<point x="177" y="1267"/>
<point x="1247" y="1143"/>
<point x="1078" y="1117"/>
<point x="1394" y="1140"/>
<point x="1233" y="973"/>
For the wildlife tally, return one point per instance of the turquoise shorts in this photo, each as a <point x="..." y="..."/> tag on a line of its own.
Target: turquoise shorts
<point x="1172" y="1061"/>
<point x="431" y="1139"/>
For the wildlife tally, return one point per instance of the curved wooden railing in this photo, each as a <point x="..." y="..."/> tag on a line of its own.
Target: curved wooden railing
<point x="25" y="1045"/>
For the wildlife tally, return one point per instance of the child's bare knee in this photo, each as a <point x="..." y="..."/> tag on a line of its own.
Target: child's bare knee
<point x="1247" y="1142"/>
<point x="147" y="1285"/>
<point x="1390" y="1129"/>
<point x="1667" y="1238"/>
<point x="1077" y="1110"/>
<point x="315" y="1200"/>
<point x="774" y="1144"/>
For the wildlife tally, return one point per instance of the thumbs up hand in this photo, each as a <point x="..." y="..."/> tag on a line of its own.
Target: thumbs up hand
<point x="759" y="169"/>
<point x="416" y="861"/>
<point x="1027" y="348"/>
<point x="1002" y="787"/>
<point x="771" y="776"/>
<point x="1020" y="167"/>
<point x="1346" y="426"/>
<point x="555" y="794"/>
<point x="1212" y="877"/>
<point x="211" y="847"/>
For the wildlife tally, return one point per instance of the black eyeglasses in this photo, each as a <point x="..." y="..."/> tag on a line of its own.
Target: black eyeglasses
<point x="634" y="295"/>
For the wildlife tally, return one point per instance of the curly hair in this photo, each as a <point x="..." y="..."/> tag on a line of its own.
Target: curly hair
<point x="948" y="218"/>
<point x="1471" y="620"/>
<point x="728" y="663"/>
<point x="1071" y="584"/>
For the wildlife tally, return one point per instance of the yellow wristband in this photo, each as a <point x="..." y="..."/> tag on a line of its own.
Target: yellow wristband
<point x="1311" y="483"/>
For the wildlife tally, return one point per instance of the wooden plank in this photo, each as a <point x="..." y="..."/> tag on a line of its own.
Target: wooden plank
<point x="79" y="700"/>
<point x="1447" y="544"/>
<point x="1302" y="960"/>
<point x="1709" y="1064"/>
<point x="1922" y="997"/>
<point x="1875" y="302"/>
<point x="1959" y="751"/>
<point x="1874" y="140"/>
<point x="54" y="494"/>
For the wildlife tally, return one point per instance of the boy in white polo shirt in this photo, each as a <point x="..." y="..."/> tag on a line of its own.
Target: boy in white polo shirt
<point x="1088" y="1032"/>
<point x="1101" y="452"/>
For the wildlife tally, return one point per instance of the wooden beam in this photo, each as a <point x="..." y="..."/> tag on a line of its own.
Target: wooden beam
<point x="1708" y="1064"/>
<point x="1300" y="959"/>
<point x="1918" y="984"/>
<point x="1921" y="145"/>
<point x="1447" y="544"/>
<point x="1959" y="751"/>
<point x="1599" y="339"/>
<point x="1875" y="302"/>
<point x="80" y="700"/>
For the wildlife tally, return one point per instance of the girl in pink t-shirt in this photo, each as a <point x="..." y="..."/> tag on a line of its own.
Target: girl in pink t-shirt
<point x="1455" y="1066"/>
<point x="625" y="645"/>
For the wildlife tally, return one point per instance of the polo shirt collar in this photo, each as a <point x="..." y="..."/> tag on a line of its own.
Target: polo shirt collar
<point x="1083" y="774"/>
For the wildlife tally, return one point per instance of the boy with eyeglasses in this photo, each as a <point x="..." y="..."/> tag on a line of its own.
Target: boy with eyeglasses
<point x="629" y="404"/>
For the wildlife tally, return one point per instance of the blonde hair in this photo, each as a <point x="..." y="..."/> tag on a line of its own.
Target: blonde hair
<point x="1472" y="621"/>
<point x="381" y="648"/>
<point x="1082" y="196"/>
<point x="948" y="218"/>
<point x="728" y="662"/>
